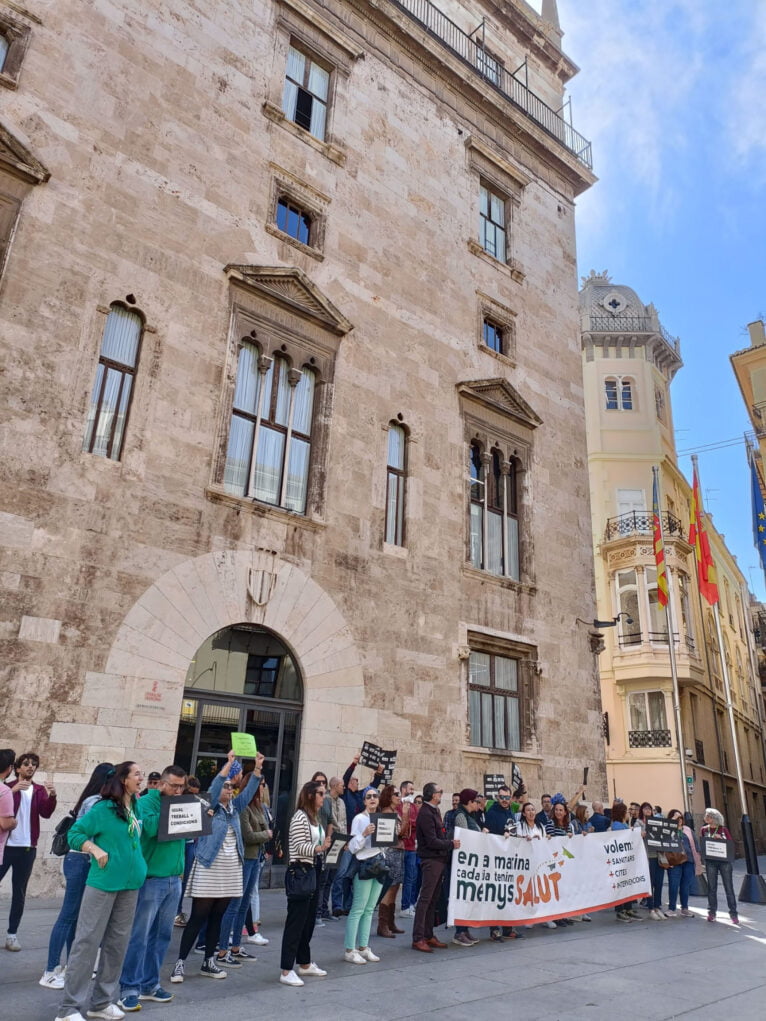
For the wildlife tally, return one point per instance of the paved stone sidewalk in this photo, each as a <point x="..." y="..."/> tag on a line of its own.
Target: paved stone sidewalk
<point x="650" y="970"/>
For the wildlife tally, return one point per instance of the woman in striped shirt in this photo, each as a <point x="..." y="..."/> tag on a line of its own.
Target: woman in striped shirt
<point x="306" y="841"/>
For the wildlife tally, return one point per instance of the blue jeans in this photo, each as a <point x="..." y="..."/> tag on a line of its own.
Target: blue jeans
<point x="657" y="876"/>
<point x="409" y="886"/>
<point x="76" y="867"/>
<point x="713" y="870"/>
<point x="680" y="877"/>
<point x="234" y="918"/>
<point x="342" y="892"/>
<point x="150" y="935"/>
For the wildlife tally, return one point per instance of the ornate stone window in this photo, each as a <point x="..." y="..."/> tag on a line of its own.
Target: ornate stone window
<point x="306" y="91"/>
<point x="297" y="213"/>
<point x="277" y="390"/>
<point x="112" y="392"/>
<point x="499" y="428"/>
<point x="619" y="393"/>
<point x="497" y="328"/>
<point x="500" y="693"/>
<point x="14" y="38"/>
<point x="396" y="478"/>
<point x="19" y="172"/>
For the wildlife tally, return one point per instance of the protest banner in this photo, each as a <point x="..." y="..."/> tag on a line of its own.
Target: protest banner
<point x="514" y="881"/>
<point x="663" y="835"/>
<point x="182" y="816"/>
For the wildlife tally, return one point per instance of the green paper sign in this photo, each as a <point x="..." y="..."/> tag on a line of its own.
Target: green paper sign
<point x="243" y="745"/>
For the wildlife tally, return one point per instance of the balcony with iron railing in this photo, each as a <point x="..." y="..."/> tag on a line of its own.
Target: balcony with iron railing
<point x="487" y="67"/>
<point x="633" y="638"/>
<point x="641" y="523"/>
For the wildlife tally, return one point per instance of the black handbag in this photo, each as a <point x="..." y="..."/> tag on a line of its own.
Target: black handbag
<point x="300" y="881"/>
<point x="374" y="868"/>
<point x="60" y="843"/>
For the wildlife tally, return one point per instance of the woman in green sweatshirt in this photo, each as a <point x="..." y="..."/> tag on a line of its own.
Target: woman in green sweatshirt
<point x="111" y="834"/>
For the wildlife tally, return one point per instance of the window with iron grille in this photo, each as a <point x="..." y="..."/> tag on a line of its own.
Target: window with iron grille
<point x="492" y="221"/>
<point x="306" y="92"/>
<point x="494" y="701"/>
<point x="113" y="387"/>
<point x="648" y="720"/>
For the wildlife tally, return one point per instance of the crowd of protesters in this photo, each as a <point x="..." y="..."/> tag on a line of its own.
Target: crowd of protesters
<point x="125" y="888"/>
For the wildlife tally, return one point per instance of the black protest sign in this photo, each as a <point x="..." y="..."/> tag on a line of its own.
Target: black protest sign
<point x="385" y="828"/>
<point x="182" y="817"/>
<point x="492" y="784"/>
<point x="373" y="756"/>
<point x="335" y="850"/>
<point x="717" y="849"/>
<point x="663" y="835"/>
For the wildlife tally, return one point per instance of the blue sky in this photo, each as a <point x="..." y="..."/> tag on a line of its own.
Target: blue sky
<point x="673" y="96"/>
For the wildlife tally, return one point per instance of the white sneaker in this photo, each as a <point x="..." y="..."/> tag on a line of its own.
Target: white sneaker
<point x="12" y="942"/>
<point x="549" y="925"/>
<point x="368" y="955"/>
<point x="353" y="957"/>
<point x="290" y="979"/>
<point x="111" y="1012"/>
<point x="311" y="969"/>
<point x="260" y="941"/>
<point x="672" y="914"/>
<point x="53" y="979"/>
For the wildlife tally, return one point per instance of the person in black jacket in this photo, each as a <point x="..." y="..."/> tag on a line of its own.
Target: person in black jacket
<point x="496" y="818"/>
<point x="434" y="849"/>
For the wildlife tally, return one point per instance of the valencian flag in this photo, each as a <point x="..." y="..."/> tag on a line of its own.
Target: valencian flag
<point x="759" y="514"/>
<point x="659" y="549"/>
<point x="698" y="539"/>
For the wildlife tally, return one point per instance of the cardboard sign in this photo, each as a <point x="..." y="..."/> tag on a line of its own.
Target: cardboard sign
<point x="716" y="849"/>
<point x="663" y="835"/>
<point x="335" y="850"/>
<point x="372" y="756"/>
<point x="492" y="784"/>
<point x="183" y="817"/>
<point x="385" y="828"/>
<point x="244" y="745"/>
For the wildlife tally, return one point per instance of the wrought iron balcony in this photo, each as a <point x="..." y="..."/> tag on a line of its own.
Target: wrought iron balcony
<point x="634" y="637"/>
<point x="649" y="739"/>
<point x="640" y="523"/>
<point x="493" y="73"/>
<point x="632" y="324"/>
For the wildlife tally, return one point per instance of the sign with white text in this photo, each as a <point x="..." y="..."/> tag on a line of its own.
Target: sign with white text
<point x="515" y="881"/>
<point x="182" y="818"/>
<point x="663" y="835"/>
<point x="372" y="756"/>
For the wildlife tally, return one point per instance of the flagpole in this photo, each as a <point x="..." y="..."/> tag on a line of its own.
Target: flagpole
<point x="669" y="617"/>
<point x="753" y="889"/>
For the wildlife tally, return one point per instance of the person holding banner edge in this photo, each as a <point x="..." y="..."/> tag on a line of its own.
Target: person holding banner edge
<point x="434" y="849"/>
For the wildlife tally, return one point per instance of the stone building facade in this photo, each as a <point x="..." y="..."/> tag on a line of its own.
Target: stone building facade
<point x="293" y="434"/>
<point x="629" y="362"/>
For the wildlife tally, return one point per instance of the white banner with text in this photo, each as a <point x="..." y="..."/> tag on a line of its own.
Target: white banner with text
<point x="515" y="881"/>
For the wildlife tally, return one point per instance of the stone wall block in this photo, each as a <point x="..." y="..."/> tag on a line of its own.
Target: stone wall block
<point x="39" y="629"/>
<point x="16" y="532"/>
<point x="78" y="733"/>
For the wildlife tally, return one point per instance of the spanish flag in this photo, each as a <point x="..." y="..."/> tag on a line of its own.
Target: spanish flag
<point x="708" y="580"/>
<point x="659" y="548"/>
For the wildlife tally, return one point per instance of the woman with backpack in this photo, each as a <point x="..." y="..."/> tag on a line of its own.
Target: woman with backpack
<point x="110" y="832"/>
<point x="75" y="868"/>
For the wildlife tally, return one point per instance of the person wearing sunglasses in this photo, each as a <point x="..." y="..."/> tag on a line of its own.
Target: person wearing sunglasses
<point x="366" y="891"/>
<point x="216" y="874"/>
<point x="501" y="814"/>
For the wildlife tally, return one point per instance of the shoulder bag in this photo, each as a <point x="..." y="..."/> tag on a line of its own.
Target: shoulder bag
<point x="60" y="843"/>
<point x="300" y="881"/>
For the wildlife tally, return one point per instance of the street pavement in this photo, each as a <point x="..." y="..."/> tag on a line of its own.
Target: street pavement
<point x="647" y="970"/>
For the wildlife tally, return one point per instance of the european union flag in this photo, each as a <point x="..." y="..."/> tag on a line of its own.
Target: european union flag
<point x="759" y="514"/>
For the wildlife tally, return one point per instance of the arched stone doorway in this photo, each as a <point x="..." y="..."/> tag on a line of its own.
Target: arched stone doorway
<point x="244" y="678"/>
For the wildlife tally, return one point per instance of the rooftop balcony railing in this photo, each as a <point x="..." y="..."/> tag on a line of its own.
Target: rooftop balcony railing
<point x="492" y="71"/>
<point x="640" y="523"/>
<point x="632" y="324"/>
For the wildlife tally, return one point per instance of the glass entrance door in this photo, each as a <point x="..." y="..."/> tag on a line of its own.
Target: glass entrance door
<point x="244" y="679"/>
